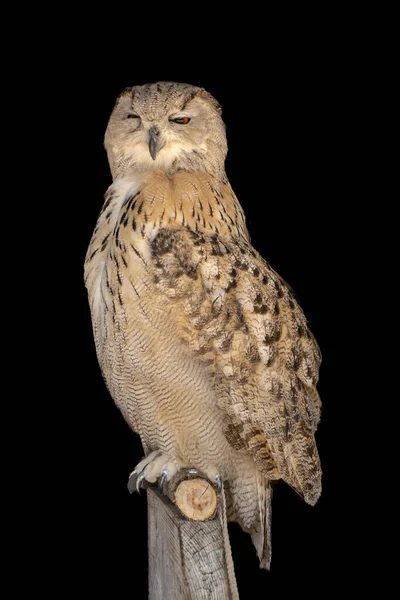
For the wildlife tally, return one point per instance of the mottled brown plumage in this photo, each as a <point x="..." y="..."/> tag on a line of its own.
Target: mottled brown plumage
<point x="202" y="345"/>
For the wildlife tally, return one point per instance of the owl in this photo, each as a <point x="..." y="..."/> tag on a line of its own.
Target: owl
<point x="202" y="345"/>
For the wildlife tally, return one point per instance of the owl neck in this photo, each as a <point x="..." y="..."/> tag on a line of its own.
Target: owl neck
<point x="194" y="200"/>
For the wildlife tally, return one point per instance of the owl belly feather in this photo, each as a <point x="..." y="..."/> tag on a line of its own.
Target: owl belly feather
<point x="164" y="392"/>
<point x="167" y="396"/>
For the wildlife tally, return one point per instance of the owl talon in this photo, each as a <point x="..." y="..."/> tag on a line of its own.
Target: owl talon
<point x="162" y="480"/>
<point x="136" y="482"/>
<point x="192" y="471"/>
<point x="132" y="482"/>
<point x="154" y="469"/>
<point x="141" y="481"/>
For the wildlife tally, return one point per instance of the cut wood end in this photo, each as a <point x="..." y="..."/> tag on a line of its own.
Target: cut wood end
<point x="196" y="499"/>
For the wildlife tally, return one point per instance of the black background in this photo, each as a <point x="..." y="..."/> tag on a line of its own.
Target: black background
<point x="286" y="108"/>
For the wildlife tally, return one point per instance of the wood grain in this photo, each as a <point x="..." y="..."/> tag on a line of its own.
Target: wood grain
<point x="188" y="560"/>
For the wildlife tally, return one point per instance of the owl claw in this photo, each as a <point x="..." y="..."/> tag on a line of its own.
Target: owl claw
<point x="132" y="482"/>
<point x="135" y="482"/>
<point x="192" y="471"/>
<point x="162" y="480"/>
<point x="140" y="481"/>
<point x="156" y="467"/>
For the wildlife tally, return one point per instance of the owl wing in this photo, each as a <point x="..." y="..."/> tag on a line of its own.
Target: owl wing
<point x="242" y="321"/>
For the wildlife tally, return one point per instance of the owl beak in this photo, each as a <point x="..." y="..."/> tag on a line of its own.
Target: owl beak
<point x="154" y="145"/>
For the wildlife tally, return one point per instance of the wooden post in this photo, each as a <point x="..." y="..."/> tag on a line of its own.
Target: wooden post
<point x="189" y="558"/>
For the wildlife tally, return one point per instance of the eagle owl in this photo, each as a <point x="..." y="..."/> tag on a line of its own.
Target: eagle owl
<point x="201" y="343"/>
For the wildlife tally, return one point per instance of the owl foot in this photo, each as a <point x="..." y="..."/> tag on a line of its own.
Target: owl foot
<point x="158" y="466"/>
<point x="155" y="466"/>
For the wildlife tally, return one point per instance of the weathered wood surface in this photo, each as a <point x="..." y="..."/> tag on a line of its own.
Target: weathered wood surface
<point x="188" y="560"/>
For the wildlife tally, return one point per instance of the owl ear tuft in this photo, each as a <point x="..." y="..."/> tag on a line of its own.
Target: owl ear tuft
<point x="207" y="96"/>
<point x="128" y="91"/>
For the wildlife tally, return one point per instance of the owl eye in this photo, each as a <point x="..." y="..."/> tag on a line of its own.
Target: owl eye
<point x="132" y="116"/>
<point x="182" y="120"/>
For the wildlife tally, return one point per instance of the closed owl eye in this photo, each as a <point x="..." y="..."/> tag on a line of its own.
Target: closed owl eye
<point x="132" y="116"/>
<point x="181" y="120"/>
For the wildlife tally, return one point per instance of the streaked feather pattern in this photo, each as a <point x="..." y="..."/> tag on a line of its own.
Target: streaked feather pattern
<point x="202" y="345"/>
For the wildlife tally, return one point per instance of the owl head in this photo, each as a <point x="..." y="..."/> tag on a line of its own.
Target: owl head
<point x="167" y="126"/>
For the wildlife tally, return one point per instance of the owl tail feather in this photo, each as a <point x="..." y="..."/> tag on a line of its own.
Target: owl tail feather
<point x="261" y="535"/>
